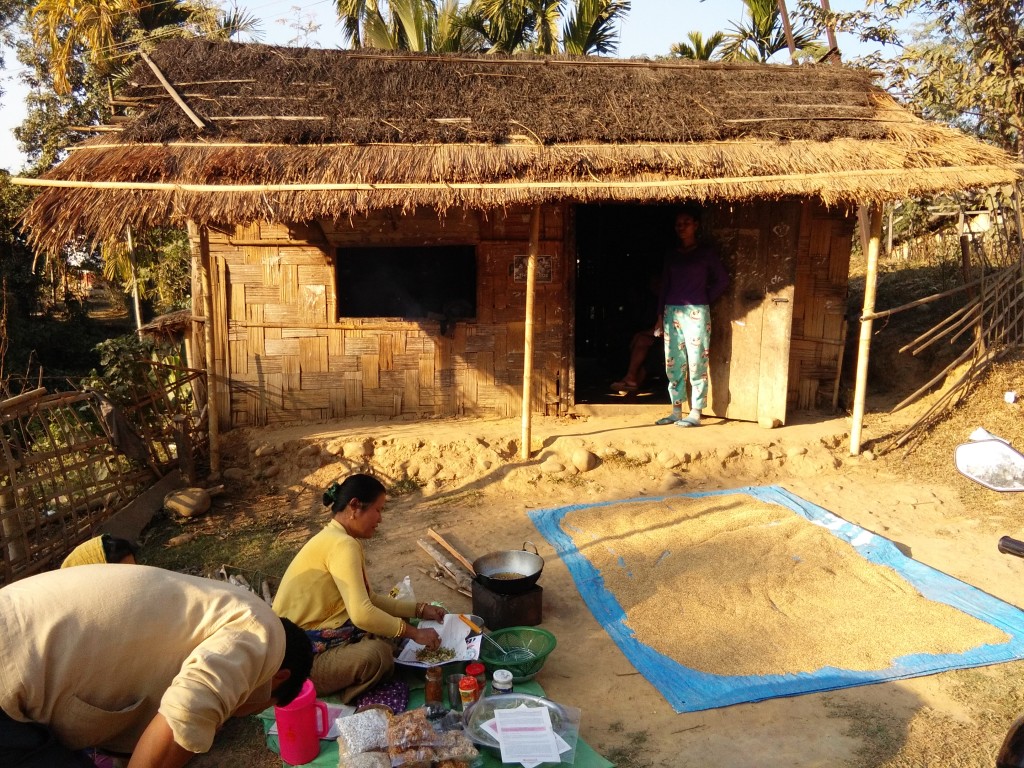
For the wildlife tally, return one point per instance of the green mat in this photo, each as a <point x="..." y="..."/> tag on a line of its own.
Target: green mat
<point x="586" y="757"/>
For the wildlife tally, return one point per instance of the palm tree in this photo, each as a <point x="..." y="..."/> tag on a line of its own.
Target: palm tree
<point x="410" y="25"/>
<point x="761" y="36"/>
<point x="107" y="32"/>
<point x="591" y="27"/>
<point x="698" y="48"/>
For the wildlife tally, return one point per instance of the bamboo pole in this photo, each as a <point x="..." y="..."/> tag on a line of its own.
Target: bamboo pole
<point x="826" y="178"/>
<point x="136" y="301"/>
<point x="788" y="29"/>
<point x="531" y="289"/>
<point x="199" y="241"/>
<point x="864" y="348"/>
<point x="170" y="89"/>
<point x="830" y="32"/>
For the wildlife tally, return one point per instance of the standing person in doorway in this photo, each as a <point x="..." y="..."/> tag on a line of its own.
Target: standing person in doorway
<point x="693" y="279"/>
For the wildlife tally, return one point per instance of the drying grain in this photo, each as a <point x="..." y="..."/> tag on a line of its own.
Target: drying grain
<point x="730" y="585"/>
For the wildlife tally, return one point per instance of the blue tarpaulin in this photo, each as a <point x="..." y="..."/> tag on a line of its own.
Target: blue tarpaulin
<point x="689" y="690"/>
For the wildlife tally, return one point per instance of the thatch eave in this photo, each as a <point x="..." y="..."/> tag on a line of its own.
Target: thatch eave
<point x="295" y="135"/>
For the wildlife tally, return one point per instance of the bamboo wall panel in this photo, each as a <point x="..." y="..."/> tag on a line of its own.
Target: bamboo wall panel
<point x="291" y="358"/>
<point x="823" y="263"/>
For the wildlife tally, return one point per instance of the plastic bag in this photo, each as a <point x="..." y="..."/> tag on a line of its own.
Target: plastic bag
<point x="403" y="590"/>
<point x="362" y="732"/>
<point x="365" y="760"/>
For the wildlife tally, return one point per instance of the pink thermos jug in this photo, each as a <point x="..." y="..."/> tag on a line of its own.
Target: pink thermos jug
<point x="299" y="729"/>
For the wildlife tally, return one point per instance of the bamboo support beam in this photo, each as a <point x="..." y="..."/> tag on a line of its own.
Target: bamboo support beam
<point x="913" y="397"/>
<point x="170" y="89"/>
<point x="864" y="347"/>
<point x="787" y="28"/>
<point x="199" y="241"/>
<point x="826" y="179"/>
<point x="531" y="290"/>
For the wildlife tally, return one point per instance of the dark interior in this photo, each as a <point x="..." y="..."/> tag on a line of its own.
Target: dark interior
<point x="436" y="283"/>
<point x="619" y="258"/>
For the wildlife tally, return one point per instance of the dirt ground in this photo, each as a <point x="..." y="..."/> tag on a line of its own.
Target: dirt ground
<point x="463" y="477"/>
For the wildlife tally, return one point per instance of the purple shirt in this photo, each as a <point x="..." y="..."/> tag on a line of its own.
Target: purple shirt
<point x="692" y="277"/>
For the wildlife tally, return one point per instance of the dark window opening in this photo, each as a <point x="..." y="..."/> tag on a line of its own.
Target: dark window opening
<point x="434" y="283"/>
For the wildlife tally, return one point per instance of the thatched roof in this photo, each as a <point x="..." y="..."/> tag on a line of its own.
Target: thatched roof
<point x="240" y="133"/>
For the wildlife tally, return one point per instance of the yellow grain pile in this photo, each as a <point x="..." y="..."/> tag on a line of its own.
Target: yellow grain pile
<point x="734" y="586"/>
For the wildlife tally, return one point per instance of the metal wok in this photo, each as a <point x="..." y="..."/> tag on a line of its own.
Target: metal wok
<point x="510" y="572"/>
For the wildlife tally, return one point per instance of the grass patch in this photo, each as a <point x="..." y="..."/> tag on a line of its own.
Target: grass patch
<point x="631" y="753"/>
<point x="405" y="486"/>
<point x="624" y="461"/>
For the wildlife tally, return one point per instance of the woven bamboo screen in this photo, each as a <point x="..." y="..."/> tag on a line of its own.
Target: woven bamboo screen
<point x="292" y="355"/>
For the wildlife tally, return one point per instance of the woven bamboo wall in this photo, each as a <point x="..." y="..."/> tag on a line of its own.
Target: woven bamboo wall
<point x="287" y="355"/>
<point x="819" y="312"/>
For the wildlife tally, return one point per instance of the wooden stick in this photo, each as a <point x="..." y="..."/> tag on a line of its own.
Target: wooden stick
<point x="458" y="575"/>
<point x="24" y="397"/>
<point x="438" y="575"/>
<point x="451" y="548"/>
<point x="170" y="89"/>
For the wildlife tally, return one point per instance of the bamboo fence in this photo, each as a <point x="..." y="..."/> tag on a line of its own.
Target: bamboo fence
<point x="63" y="474"/>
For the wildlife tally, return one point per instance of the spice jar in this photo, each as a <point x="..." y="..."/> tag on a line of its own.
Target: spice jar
<point x="469" y="691"/>
<point x="433" y="690"/>
<point x="502" y="681"/>
<point x="477" y="670"/>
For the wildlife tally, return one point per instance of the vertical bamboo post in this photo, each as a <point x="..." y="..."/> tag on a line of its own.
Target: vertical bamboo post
<point x="136" y="303"/>
<point x="864" y="348"/>
<point x="791" y="44"/>
<point x="198" y="240"/>
<point x="830" y="31"/>
<point x="531" y="289"/>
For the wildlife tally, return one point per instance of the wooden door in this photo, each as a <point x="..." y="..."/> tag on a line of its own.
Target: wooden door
<point x="752" y="322"/>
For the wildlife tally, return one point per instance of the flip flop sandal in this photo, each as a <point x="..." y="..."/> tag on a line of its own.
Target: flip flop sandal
<point x="689" y="421"/>
<point x="621" y="386"/>
<point x="667" y="420"/>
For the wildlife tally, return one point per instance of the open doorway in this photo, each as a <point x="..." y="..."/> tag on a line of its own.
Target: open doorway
<point x="620" y="249"/>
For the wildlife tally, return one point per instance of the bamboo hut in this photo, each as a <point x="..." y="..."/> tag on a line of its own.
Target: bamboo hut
<point x="369" y="230"/>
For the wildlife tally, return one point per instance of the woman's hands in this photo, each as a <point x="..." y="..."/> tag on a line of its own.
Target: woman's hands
<point x="428" y="638"/>
<point x="433" y="613"/>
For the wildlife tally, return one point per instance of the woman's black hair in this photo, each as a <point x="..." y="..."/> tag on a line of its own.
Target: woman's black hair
<point x="298" y="659"/>
<point x="692" y="210"/>
<point x="365" y="488"/>
<point x="115" y="549"/>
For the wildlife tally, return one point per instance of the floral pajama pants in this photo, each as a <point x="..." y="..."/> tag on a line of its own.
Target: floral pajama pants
<point x="687" y="330"/>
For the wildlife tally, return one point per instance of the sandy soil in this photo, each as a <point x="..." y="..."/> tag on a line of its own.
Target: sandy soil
<point x="466" y="480"/>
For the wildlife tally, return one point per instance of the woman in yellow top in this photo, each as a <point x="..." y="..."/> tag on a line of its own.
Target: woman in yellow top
<point x="326" y="592"/>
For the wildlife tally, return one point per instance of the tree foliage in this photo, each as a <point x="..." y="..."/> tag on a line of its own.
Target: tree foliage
<point x="500" y="26"/>
<point x="697" y="48"/>
<point x="963" y="62"/>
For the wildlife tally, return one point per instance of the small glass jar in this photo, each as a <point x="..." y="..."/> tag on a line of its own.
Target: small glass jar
<point x="501" y="682"/>
<point x="477" y="670"/>
<point x="433" y="689"/>
<point x="469" y="691"/>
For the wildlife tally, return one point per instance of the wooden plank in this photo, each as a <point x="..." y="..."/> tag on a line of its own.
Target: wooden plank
<point x="450" y="544"/>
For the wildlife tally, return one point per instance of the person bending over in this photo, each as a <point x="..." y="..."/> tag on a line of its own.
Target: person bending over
<point x="135" y="661"/>
<point x="102" y="549"/>
<point x="325" y="591"/>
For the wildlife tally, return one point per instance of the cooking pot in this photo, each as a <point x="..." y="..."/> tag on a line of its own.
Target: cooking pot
<point x="510" y="572"/>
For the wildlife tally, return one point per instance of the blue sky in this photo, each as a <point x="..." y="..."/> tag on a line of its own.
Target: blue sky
<point x="651" y="27"/>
